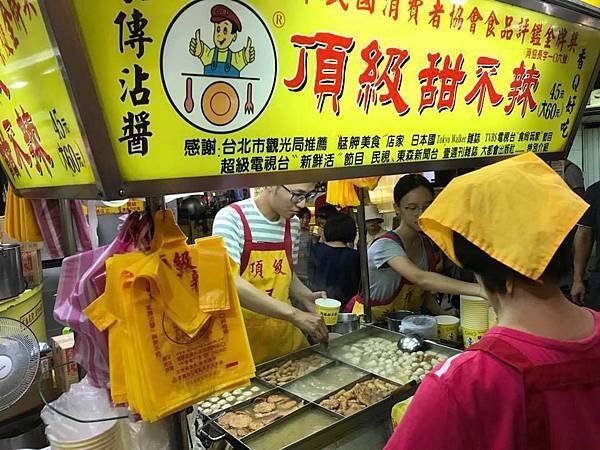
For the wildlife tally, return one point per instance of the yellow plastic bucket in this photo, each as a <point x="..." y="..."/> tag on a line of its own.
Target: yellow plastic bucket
<point x="29" y="309"/>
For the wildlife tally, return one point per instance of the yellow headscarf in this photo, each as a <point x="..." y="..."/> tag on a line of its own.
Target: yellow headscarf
<point x="518" y="211"/>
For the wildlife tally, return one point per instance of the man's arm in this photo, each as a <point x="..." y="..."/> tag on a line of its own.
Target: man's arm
<point x="304" y="295"/>
<point x="584" y="238"/>
<point x="259" y="302"/>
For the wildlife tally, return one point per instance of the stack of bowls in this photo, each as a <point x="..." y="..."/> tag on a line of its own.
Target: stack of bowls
<point x="110" y="439"/>
<point x="474" y="318"/>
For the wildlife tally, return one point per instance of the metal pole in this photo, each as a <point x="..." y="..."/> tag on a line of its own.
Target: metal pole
<point x="362" y="251"/>
<point x="154" y="204"/>
<point x="66" y="225"/>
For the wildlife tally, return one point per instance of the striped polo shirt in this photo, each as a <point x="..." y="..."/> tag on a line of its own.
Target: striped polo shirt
<point x="228" y="225"/>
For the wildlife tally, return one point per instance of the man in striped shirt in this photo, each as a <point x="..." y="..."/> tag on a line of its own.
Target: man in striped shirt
<point x="261" y="236"/>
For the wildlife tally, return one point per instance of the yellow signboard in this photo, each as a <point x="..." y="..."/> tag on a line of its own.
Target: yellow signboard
<point x="40" y="140"/>
<point x="227" y="87"/>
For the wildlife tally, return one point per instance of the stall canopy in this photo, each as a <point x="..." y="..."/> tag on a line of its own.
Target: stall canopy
<point x="123" y="98"/>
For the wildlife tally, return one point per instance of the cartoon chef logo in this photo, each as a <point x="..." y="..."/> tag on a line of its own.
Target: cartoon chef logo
<point x="218" y="65"/>
<point x="221" y="60"/>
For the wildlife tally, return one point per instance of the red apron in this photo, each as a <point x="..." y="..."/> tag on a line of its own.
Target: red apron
<point x="268" y="266"/>
<point x="537" y="379"/>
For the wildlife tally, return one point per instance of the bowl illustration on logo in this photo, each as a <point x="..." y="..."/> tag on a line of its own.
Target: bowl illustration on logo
<point x="220" y="103"/>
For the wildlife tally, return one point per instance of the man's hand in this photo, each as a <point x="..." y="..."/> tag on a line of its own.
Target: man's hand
<point x="196" y="46"/>
<point x="309" y="300"/>
<point x="249" y="53"/>
<point x="577" y="292"/>
<point x="312" y="324"/>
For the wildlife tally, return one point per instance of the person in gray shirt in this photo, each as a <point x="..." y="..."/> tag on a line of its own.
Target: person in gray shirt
<point x="403" y="262"/>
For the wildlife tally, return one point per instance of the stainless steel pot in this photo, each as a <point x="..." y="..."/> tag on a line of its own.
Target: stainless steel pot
<point x="394" y="319"/>
<point x="346" y="323"/>
<point x="12" y="282"/>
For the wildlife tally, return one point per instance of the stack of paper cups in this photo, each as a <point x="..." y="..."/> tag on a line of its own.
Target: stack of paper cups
<point x="474" y="318"/>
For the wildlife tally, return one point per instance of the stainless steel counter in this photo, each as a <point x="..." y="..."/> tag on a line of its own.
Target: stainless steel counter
<point x="368" y="428"/>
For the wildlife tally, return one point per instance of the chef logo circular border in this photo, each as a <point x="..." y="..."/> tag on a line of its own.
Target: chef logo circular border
<point x="208" y="81"/>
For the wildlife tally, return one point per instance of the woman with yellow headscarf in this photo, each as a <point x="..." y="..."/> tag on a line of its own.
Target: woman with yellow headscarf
<point x="532" y="382"/>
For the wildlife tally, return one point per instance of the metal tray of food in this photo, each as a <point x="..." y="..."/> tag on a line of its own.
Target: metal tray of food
<point x="344" y="425"/>
<point x="248" y="418"/>
<point x="347" y="425"/>
<point x="293" y="429"/>
<point x="324" y="381"/>
<point x="286" y="369"/>
<point x="363" y="398"/>
<point x="234" y="397"/>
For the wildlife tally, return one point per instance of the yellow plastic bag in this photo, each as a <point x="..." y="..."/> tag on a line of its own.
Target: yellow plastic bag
<point x="20" y="223"/>
<point x="155" y="366"/>
<point x="343" y="192"/>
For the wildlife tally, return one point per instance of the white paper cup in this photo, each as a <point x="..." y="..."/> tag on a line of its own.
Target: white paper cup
<point x="329" y="308"/>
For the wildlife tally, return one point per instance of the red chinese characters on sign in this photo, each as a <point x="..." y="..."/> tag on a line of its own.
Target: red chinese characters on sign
<point x="29" y="8"/>
<point x="12" y="13"/>
<point x="561" y="39"/>
<point x="573" y="42"/>
<point x="365" y="5"/>
<point x="525" y="82"/>
<point x="7" y="19"/>
<point x="15" y="11"/>
<point x="491" y="22"/>
<point x="413" y="10"/>
<point x="342" y="3"/>
<point x="392" y="7"/>
<point x="507" y="32"/>
<point x="449" y="79"/>
<point x="549" y="37"/>
<point x="523" y="29"/>
<point x="536" y="34"/>
<point x="331" y="57"/>
<point x="435" y="14"/>
<point x="474" y="18"/>
<point x="456" y="17"/>
<point x="32" y="139"/>
<point x="256" y="269"/>
<point x="486" y="68"/>
<point x="371" y="80"/>
<point x="23" y="159"/>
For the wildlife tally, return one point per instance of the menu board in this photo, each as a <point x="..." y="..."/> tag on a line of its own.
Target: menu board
<point x="230" y="87"/>
<point x="41" y="144"/>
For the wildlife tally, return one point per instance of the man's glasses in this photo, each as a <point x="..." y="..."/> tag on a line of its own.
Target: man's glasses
<point x="299" y="197"/>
